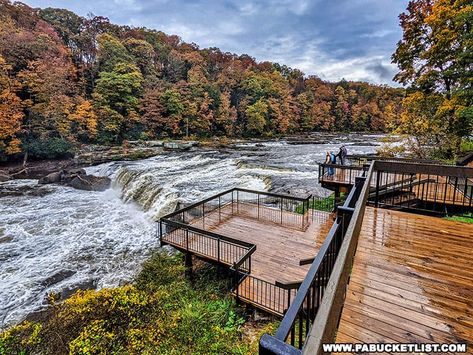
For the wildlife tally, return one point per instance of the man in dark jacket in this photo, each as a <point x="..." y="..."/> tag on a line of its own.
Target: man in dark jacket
<point x="342" y="154"/>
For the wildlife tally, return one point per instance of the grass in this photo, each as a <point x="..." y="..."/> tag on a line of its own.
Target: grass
<point x="160" y="313"/>
<point x="464" y="218"/>
<point x="322" y="203"/>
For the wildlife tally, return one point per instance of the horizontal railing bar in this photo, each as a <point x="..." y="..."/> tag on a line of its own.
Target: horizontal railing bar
<point x="343" y="167"/>
<point x="431" y="169"/>
<point x="196" y="204"/>
<point x="370" y="158"/>
<point x="289" y="285"/>
<point x="237" y="265"/>
<point x="306" y="261"/>
<point x="208" y="234"/>
<point x="272" y="194"/>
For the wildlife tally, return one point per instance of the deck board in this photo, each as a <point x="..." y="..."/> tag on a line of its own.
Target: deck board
<point x="412" y="281"/>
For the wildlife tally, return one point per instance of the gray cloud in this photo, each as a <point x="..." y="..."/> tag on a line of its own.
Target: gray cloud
<point x="351" y="39"/>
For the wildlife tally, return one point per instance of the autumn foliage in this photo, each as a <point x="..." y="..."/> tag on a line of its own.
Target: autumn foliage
<point x="67" y="80"/>
<point x="435" y="57"/>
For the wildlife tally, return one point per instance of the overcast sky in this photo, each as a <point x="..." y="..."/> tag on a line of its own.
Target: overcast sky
<point x="334" y="39"/>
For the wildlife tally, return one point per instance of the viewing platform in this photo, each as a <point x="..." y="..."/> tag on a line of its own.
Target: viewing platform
<point x="412" y="281"/>
<point x="406" y="185"/>
<point x="261" y="237"/>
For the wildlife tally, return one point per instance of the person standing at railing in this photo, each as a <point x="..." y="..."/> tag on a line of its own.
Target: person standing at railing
<point x="330" y="159"/>
<point x="342" y="154"/>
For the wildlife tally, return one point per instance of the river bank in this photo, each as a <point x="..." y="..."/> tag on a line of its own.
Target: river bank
<point x="159" y="312"/>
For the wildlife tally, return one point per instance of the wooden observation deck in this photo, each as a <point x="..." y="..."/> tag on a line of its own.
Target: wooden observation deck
<point x="261" y="236"/>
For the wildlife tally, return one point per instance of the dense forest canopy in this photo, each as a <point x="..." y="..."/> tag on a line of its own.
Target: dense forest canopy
<point x="66" y="79"/>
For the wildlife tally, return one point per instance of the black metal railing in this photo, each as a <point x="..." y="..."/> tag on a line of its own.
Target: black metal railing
<point x="324" y="286"/>
<point x="274" y="297"/>
<point x="215" y="247"/>
<point x="340" y="174"/>
<point x="423" y="188"/>
<point x="286" y="210"/>
<point x="297" y="322"/>
<point x="364" y="159"/>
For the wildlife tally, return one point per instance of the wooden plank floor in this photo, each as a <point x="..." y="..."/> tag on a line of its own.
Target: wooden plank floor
<point x="411" y="282"/>
<point x="279" y="248"/>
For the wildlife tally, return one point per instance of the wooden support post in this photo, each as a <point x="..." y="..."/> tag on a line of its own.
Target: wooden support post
<point x="188" y="272"/>
<point x="336" y="200"/>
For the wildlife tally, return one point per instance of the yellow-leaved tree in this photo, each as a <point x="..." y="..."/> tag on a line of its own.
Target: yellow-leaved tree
<point x="11" y="112"/>
<point x="435" y="59"/>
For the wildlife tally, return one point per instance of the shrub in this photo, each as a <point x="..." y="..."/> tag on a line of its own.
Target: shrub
<point x="160" y="313"/>
<point x="51" y="148"/>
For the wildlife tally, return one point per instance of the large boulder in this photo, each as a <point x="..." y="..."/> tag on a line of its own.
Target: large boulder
<point x="70" y="174"/>
<point x="52" y="178"/>
<point x="90" y="183"/>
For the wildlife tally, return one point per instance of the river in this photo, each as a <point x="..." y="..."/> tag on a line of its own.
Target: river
<point x="69" y="239"/>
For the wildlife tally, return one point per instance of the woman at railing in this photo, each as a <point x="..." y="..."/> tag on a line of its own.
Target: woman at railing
<point x="330" y="159"/>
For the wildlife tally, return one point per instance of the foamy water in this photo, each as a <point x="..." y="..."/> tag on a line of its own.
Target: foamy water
<point x="70" y="238"/>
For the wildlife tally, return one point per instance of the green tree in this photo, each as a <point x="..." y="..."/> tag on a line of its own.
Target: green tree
<point x="256" y="116"/>
<point x="116" y="98"/>
<point x="173" y="111"/>
<point x="112" y="52"/>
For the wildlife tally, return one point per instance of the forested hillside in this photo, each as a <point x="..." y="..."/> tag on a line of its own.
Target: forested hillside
<point x="65" y="79"/>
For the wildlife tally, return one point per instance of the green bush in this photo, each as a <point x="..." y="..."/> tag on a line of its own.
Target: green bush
<point x="463" y="218"/>
<point x="322" y="203"/>
<point x="467" y="146"/>
<point x="160" y="313"/>
<point x="52" y="148"/>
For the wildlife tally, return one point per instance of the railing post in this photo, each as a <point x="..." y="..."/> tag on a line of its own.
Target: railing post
<point x="288" y="298"/>
<point x="376" y="199"/>
<point x="258" y="206"/>
<point x="236" y="284"/>
<point x="238" y="202"/>
<point x="218" y="249"/>
<point x="281" y="210"/>
<point x="232" y="202"/>
<point x="203" y="216"/>
<point x="219" y="210"/>
<point x="187" y="239"/>
<point x="160" y="233"/>
<point x="303" y="213"/>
